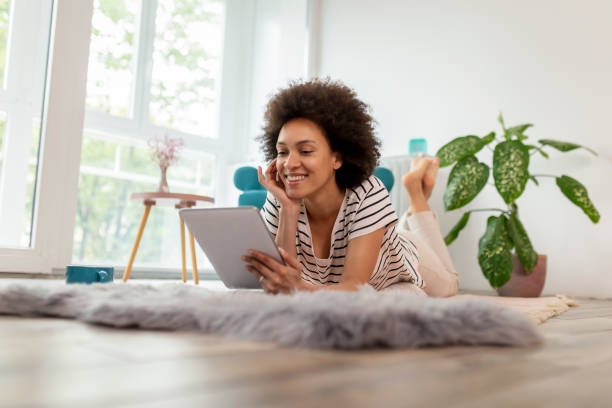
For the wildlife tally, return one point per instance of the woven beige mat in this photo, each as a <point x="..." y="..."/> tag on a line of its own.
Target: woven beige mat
<point x="539" y="309"/>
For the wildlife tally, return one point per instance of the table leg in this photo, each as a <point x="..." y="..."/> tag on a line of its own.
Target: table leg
<point x="184" y="272"/>
<point x="143" y="222"/>
<point x="194" y="262"/>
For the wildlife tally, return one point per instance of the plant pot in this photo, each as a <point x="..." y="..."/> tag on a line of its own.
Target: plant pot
<point x="522" y="284"/>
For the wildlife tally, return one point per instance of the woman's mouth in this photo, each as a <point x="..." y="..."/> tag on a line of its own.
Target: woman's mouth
<point x="294" y="180"/>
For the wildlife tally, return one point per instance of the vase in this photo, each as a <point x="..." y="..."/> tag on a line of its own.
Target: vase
<point x="163" y="183"/>
<point x="522" y="284"/>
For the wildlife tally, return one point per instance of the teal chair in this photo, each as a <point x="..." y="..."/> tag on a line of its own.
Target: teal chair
<point x="253" y="193"/>
<point x="385" y="175"/>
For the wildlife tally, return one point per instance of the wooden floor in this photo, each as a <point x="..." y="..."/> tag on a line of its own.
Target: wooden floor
<point x="63" y="363"/>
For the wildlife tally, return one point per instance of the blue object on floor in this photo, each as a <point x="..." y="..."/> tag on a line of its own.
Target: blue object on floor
<point x="386" y="176"/>
<point x="253" y="193"/>
<point x="89" y="274"/>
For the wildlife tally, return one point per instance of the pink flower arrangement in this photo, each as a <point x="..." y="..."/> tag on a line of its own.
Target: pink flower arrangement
<point x="166" y="151"/>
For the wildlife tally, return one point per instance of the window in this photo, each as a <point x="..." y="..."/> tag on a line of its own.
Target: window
<point x="186" y="56"/>
<point x="24" y="37"/>
<point x="154" y="69"/>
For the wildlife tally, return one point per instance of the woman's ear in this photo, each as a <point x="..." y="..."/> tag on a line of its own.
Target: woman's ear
<point x="337" y="160"/>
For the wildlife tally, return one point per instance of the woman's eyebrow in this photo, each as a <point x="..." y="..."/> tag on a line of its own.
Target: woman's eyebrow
<point x="301" y="142"/>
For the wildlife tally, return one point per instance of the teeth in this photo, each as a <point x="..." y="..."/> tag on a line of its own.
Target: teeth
<point x="295" y="178"/>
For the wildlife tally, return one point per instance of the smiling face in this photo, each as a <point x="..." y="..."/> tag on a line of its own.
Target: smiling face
<point x="305" y="162"/>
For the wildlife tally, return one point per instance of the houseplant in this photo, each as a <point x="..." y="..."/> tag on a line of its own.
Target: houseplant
<point x="505" y="231"/>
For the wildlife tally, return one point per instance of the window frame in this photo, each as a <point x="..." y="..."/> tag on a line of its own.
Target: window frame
<point x="64" y="116"/>
<point x="61" y="125"/>
<point x="138" y="125"/>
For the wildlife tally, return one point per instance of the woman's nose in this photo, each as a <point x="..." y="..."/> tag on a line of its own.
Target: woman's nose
<point x="293" y="161"/>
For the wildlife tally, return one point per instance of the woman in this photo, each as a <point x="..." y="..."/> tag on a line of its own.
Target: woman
<point x="331" y="219"/>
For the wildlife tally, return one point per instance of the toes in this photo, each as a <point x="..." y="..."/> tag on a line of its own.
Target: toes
<point x="432" y="169"/>
<point x="419" y="165"/>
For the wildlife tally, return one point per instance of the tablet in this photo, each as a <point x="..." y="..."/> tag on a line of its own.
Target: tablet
<point x="225" y="234"/>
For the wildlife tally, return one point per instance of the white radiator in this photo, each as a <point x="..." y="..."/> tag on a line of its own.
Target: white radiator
<point x="399" y="165"/>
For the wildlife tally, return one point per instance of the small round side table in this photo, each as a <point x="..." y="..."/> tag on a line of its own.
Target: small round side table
<point x="168" y="199"/>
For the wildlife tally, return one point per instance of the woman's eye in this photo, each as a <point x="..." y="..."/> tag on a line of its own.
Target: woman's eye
<point x="281" y="153"/>
<point x="306" y="151"/>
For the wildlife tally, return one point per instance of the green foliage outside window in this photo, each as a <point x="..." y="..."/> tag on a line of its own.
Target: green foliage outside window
<point x="183" y="86"/>
<point x="106" y="219"/>
<point x="112" y="56"/>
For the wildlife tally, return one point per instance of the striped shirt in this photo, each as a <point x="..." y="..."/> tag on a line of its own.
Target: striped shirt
<point x="365" y="209"/>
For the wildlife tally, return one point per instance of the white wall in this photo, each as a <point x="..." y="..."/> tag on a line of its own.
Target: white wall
<point x="279" y="42"/>
<point x="273" y="53"/>
<point x="444" y="68"/>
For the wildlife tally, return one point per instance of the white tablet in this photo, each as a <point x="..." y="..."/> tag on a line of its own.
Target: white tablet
<point x="225" y="234"/>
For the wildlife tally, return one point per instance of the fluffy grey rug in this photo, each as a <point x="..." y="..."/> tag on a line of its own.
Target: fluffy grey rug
<point x="323" y="319"/>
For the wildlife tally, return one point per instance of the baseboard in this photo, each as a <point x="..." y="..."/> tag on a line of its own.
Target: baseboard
<point x="136" y="273"/>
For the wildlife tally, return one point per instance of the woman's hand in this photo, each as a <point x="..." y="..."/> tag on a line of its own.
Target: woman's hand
<point x="274" y="185"/>
<point x="274" y="276"/>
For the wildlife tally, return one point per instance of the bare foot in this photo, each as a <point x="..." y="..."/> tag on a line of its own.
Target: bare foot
<point x="422" y="176"/>
<point x="429" y="180"/>
<point x="419" y="182"/>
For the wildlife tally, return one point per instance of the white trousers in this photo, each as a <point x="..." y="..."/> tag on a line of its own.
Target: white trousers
<point x="435" y="266"/>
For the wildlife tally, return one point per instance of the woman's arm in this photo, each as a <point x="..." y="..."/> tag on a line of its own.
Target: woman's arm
<point x="359" y="262"/>
<point x="287" y="228"/>
<point x="288" y="213"/>
<point x="361" y="256"/>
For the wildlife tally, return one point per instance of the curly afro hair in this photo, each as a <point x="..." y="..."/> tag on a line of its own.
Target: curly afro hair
<point x="343" y="118"/>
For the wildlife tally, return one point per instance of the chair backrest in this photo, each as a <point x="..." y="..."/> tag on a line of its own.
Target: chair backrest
<point x="253" y="193"/>
<point x="386" y="176"/>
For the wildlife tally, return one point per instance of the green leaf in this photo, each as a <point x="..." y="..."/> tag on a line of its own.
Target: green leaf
<point x="459" y="148"/>
<point x="488" y="138"/>
<point x="465" y="181"/>
<point x="564" y="146"/>
<point x="453" y="233"/>
<point x="510" y="163"/>
<point x="495" y="252"/>
<point x="578" y="195"/>
<point x="522" y="244"/>
<point x="517" y="131"/>
<point x="500" y="119"/>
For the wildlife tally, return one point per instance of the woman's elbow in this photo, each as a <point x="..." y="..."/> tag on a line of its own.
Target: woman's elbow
<point x="453" y="287"/>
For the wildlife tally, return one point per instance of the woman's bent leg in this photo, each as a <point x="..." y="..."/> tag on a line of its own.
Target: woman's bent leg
<point x="436" y="267"/>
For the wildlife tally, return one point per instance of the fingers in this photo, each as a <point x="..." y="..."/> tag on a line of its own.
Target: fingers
<point x="269" y="267"/>
<point x="271" y="171"/>
<point x="269" y="287"/>
<point x="419" y="165"/>
<point x="267" y="284"/>
<point x="270" y="181"/>
<point x="265" y="181"/>
<point x="277" y="278"/>
<point x="269" y="275"/>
